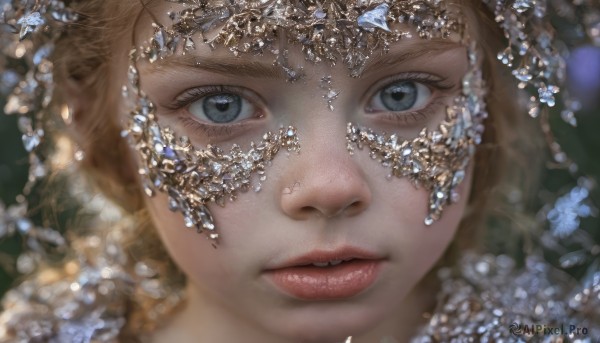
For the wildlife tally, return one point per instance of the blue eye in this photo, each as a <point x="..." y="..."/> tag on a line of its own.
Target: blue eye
<point x="221" y="108"/>
<point x="401" y="96"/>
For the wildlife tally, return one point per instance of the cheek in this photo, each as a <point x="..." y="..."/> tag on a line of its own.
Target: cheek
<point x="415" y="247"/>
<point x="218" y="270"/>
<point x="191" y="251"/>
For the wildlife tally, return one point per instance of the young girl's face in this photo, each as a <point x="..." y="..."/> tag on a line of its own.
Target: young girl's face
<point x="321" y="204"/>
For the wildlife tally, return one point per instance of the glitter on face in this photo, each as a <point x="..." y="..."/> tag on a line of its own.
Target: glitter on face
<point x="192" y="177"/>
<point x="326" y="31"/>
<point x="331" y="93"/>
<point x="436" y="160"/>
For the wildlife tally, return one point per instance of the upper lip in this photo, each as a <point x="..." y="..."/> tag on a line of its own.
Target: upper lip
<point x="321" y="256"/>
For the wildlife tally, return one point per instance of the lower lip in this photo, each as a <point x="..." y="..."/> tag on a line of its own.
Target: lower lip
<point x="325" y="283"/>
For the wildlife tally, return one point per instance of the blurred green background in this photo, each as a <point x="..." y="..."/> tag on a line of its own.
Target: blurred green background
<point x="13" y="175"/>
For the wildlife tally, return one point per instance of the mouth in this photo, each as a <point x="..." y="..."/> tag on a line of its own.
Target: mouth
<point x="326" y="275"/>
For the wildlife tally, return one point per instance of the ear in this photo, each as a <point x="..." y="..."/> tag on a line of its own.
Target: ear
<point x="93" y="123"/>
<point x="77" y="99"/>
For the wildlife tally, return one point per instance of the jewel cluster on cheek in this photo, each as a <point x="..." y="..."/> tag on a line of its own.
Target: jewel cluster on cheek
<point x="328" y="30"/>
<point x="190" y="177"/>
<point x="436" y="160"/>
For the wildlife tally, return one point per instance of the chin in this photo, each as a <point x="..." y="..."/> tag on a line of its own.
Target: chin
<point x="327" y="325"/>
<point x="320" y="334"/>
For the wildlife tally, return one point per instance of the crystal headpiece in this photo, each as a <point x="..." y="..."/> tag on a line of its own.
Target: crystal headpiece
<point x="330" y="30"/>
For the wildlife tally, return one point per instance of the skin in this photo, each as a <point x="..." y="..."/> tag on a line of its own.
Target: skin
<point x="322" y="198"/>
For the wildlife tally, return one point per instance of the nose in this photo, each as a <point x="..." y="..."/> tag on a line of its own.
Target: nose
<point x="324" y="181"/>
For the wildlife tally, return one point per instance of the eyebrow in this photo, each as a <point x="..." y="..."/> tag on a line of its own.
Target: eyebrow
<point x="234" y="66"/>
<point x="228" y="66"/>
<point x="412" y="52"/>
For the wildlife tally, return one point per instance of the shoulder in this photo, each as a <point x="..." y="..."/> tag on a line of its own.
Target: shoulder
<point x="488" y="298"/>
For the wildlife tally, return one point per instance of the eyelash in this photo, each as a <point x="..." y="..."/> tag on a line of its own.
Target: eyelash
<point x="416" y="116"/>
<point x="210" y="131"/>
<point x="194" y="94"/>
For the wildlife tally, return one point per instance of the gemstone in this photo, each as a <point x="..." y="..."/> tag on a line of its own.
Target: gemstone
<point x="148" y="190"/>
<point x="25" y="264"/>
<point x="15" y="105"/>
<point x="217" y="168"/>
<point x="206" y="219"/>
<point x="319" y="14"/>
<point x="24" y="225"/>
<point x="173" y="204"/>
<point x="246" y="165"/>
<point x="170" y="153"/>
<point x="142" y="269"/>
<point x="31" y="141"/>
<point x="29" y="23"/>
<point x="428" y="221"/>
<point x="188" y="221"/>
<point x="25" y="124"/>
<point x="458" y="177"/>
<point x="454" y="197"/>
<point x="522" y="5"/>
<point x="375" y="18"/>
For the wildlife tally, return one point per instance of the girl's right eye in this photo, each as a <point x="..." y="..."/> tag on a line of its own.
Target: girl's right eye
<point x="221" y="108"/>
<point x="218" y="112"/>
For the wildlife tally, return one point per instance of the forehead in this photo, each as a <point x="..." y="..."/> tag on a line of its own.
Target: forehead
<point x="331" y="31"/>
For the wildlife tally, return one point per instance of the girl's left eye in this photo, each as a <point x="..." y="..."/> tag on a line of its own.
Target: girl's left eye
<point x="221" y="108"/>
<point x="400" y="96"/>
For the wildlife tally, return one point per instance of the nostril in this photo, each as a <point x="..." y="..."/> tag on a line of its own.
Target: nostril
<point x="308" y="210"/>
<point x="355" y="208"/>
<point x="351" y="209"/>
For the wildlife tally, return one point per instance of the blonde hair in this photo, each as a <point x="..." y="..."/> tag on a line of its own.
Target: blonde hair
<point x="86" y="61"/>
